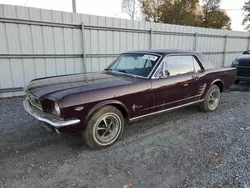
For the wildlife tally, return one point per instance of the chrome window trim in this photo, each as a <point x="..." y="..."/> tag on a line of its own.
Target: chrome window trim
<point x="154" y="77"/>
<point x="182" y="54"/>
<point x="156" y="65"/>
<point x="197" y="59"/>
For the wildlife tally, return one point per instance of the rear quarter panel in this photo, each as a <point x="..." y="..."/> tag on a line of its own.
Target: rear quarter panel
<point x="225" y="75"/>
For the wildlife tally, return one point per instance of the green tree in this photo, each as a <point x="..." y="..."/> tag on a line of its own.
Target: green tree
<point x="246" y="11"/>
<point x="217" y="20"/>
<point x="152" y="10"/>
<point x="186" y="12"/>
<point x="213" y="16"/>
<point x="182" y="12"/>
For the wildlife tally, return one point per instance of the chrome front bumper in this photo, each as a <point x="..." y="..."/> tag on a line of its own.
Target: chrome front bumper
<point x="47" y="118"/>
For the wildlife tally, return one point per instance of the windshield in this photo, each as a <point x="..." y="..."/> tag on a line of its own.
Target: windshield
<point x="135" y="64"/>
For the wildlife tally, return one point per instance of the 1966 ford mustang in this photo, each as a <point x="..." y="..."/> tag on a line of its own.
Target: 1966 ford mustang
<point x="135" y="85"/>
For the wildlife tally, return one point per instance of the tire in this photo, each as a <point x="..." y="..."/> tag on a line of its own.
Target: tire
<point x="207" y="105"/>
<point x="236" y="82"/>
<point x="110" y="123"/>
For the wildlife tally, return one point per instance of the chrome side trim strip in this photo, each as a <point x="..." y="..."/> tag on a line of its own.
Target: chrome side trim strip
<point x="42" y="116"/>
<point x="174" y="102"/>
<point x="169" y="109"/>
<point x="200" y="93"/>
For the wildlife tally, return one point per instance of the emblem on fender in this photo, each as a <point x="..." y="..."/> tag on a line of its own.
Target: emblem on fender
<point x="135" y="106"/>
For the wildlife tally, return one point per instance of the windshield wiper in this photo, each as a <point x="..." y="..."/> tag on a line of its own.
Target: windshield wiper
<point x="126" y="71"/>
<point x="108" y="69"/>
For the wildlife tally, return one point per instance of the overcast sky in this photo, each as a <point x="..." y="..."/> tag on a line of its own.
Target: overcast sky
<point x="112" y="8"/>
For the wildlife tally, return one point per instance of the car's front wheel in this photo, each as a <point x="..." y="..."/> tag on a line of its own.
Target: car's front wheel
<point x="211" y="99"/>
<point x="104" y="127"/>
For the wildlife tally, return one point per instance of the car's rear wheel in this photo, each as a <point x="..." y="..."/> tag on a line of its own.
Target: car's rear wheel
<point x="212" y="99"/>
<point x="104" y="127"/>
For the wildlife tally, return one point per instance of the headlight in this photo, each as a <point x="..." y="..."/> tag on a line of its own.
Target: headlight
<point x="235" y="62"/>
<point x="57" y="109"/>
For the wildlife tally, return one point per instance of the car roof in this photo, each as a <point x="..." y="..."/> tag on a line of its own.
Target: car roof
<point x="202" y="58"/>
<point x="162" y="51"/>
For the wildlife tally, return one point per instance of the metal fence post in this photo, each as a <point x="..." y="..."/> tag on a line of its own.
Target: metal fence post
<point x="151" y="38"/>
<point x="225" y="51"/>
<point x="74" y="6"/>
<point x="83" y="47"/>
<point x="248" y="45"/>
<point x="195" y="41"/>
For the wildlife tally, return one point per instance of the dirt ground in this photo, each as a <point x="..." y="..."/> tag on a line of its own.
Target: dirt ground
<point x="183" y="148"/>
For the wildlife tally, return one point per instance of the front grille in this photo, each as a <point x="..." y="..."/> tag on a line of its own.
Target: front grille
<point x="244" y="63"/>
<point x="243" y="72"/>
<point x="35" y="102"/>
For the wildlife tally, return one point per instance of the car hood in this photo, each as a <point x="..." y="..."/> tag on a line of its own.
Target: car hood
<point x="243" y="58"/>
<point x="60" y="86"/>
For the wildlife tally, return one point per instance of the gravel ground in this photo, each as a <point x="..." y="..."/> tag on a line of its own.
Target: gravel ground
<point x="184" y="148"/>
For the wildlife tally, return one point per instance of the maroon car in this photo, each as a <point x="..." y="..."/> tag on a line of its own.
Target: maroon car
<point x="135" y="85"/>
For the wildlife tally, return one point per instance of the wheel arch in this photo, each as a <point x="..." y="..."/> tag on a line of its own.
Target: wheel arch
<point x="119" y="105"/>
<point x="219" y="83"/>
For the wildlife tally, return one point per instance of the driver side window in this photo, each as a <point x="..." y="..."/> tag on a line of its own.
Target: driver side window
<point x="175" y="65"/>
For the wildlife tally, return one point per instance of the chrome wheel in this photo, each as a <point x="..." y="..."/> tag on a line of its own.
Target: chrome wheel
<point x="214" y="99"/>
<point x="107" y="129"/>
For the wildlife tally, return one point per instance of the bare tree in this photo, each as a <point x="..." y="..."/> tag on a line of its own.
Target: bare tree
<point x="246" y="11"/>
<point x="130" y="8"/>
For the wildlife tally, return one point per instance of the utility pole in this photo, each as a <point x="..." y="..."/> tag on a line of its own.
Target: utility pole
<point x="133" y="11"/>
<point x="74" y="5"/>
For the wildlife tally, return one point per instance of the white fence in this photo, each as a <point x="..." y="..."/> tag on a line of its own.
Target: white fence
<point x="37" y="43"/>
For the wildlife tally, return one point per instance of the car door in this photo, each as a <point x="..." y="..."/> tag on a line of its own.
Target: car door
<point x="140" y="100"/>
<point x="176" y="82"/>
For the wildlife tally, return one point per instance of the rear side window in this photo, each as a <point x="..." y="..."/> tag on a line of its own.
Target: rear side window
<point x="175" y="65"/>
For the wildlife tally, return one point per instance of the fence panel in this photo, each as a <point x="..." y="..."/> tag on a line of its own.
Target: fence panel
<point x="37" y="43"/>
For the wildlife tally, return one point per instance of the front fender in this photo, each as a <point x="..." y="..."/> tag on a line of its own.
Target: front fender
<point x="108" y="102"/>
